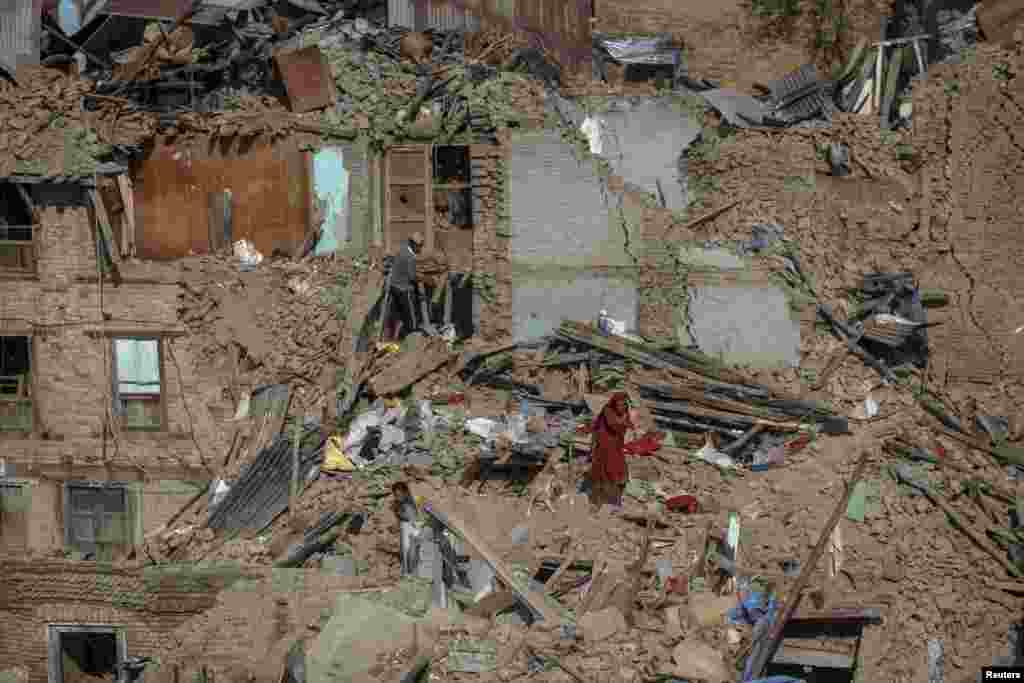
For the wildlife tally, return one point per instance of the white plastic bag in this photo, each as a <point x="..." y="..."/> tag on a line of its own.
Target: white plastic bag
<point x="218" y="490"/>
<point x="484" y="427"/>
<point x="710" y="454"/>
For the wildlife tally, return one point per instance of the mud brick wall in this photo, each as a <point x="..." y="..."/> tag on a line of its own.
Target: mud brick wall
<point x="59" y="593"/>
<point x="254" y="623"/>
<point x="71" y="368"/>
<point x="491" y="247"/>
<point x="44" y="513"/>
<point x="974" y="195"/>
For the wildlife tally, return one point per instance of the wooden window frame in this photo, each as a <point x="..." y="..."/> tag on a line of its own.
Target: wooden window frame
<point x="87" y="484"/>
<point x="161" y="398"/>
<point x="29" y="388"/>
<point x="22" y="485"/>
<point x="26" y="250"/>
<point x="55" y="663"/>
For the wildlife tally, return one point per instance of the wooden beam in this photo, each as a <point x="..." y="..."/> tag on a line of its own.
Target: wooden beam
<point x="770" y="645"/>
<point x="532" y="599"/>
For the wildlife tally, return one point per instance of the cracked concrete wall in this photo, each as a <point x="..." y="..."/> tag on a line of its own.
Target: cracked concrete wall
<point x="560" y="215"/>
<point x="568" y="232"/>
<point x="643" y="139"/>
<point x="540" y="300"/>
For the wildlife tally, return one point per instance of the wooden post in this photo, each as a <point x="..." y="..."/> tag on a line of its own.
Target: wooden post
<point x="768" y="647"/>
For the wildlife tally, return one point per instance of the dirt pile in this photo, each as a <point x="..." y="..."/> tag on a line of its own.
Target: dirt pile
<point x="281" y="323"/>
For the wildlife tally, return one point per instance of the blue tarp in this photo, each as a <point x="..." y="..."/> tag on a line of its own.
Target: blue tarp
<point x="138" y="366"/>
<point x="330" y="187"/>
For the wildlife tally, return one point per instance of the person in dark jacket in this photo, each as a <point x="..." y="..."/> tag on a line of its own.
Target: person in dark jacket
<point x="403" y="287"/>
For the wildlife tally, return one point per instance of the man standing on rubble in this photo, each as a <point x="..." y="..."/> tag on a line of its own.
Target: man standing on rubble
<point x="403" y="287"/>
<point x="608" y="471"/>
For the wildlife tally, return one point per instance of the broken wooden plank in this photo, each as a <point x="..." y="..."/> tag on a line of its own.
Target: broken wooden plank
<point x="411" y="365"/>
<point x="589" y="335"/>
<point x="773" y="639"/>
<point x="710" y="215"/>
<point x="532" y="599"/>
<point x="838" y="615"/>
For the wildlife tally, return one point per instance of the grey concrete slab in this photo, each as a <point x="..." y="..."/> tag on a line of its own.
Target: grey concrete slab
<point x="540" y="303"/>
<point x="745" y="324"/>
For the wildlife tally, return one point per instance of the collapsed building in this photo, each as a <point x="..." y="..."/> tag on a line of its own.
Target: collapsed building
<point x="195" y="218"/>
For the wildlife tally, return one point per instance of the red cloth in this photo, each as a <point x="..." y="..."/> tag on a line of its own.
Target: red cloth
<point x="647" y="444"/>
<point x="608" y="457"/>
<point x="687" y="504"/>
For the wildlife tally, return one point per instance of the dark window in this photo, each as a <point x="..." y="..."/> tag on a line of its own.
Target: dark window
<point x="87" y="655"/>
<point x="15" y="384"/>
<point x="138" y="390"/>
<point x="17" y="252"/>
<point x="453" y="196"/>
<point x="97" y="519"/>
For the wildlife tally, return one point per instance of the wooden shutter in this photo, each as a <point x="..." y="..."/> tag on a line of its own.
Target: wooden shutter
<point x="408" y="195"/>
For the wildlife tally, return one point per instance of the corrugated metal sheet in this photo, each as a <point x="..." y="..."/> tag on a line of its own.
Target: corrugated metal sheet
<point x="445" y="17"/>
<point x="401" y="13"/>
<point x="420" y="15"/>
<point x="19" y="33"/>
<point x="261" y="492"/>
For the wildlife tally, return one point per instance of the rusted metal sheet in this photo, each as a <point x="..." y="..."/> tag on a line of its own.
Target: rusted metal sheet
<point x="270" y="207"/>
<point x="209" y="12"/>
<point x="307" y="79"/>
<point x="150" y="9"/>
<point x="19" y="34"/>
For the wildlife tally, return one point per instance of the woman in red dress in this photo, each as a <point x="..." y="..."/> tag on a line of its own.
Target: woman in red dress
<point x="608" y="471"/>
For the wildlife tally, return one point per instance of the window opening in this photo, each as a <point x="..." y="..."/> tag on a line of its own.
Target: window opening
<point x="137" y="383"/>
<point x="15" y="384"/>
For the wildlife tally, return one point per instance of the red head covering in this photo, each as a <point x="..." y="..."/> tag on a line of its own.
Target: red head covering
<point x="610" y="427"/>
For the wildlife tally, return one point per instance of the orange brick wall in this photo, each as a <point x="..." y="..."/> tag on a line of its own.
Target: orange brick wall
<point x="71" y="368"/>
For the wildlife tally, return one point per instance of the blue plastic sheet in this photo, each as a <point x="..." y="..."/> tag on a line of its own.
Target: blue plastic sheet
<point x="754" y="605"/>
